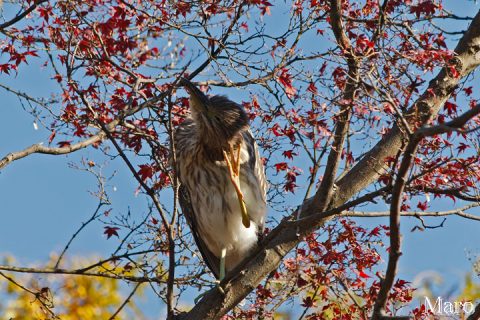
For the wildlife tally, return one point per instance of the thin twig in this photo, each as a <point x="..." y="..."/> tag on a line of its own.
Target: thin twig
<point x="84" y="224"/>
<point x="127" y="300"/>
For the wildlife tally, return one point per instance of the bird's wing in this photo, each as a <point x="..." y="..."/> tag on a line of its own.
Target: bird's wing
<point x="256" y="164"/>
<point x="210" y="259"/>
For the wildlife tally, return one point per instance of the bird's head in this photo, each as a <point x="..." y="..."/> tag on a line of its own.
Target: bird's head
<point x="219" y="118"/>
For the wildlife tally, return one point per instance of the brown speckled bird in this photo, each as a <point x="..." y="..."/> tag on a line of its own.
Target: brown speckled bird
<point x="223" y="185"/>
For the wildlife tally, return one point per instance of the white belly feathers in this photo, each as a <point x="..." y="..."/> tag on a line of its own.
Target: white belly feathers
<point x="218" y="214"/>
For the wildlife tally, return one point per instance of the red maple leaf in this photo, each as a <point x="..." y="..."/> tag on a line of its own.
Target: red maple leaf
<point x="111" y="231"/>
<point x="289" y="154"/>
<point x="312" y="88"/>
<point x="285" y="80"/>
<point x="363" y="274"/>
<point x="52" y="136"/>
<point x="146" y="171"/>
<point x="63" y="144"/>
<point x="308" y="302"/>
<point x="468" y="91"/>
<point x="462" y="147"/>
<point x="281" y="166"/>
<point x="422" y="205"/>
<point x="427" y="7"/>
<point x="450" y="107"/>
<point x="5" y="68"/>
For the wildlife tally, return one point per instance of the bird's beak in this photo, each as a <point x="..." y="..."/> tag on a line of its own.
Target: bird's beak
<point x="198" y="99"/>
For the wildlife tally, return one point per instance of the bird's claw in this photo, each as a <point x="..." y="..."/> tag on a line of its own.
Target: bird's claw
<point x="220" y="288"/>
<point x="201" y="295"/>
<point x="233" y="164"/>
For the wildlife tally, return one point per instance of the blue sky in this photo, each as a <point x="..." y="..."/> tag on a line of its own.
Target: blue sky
<point x="43" y="201"/>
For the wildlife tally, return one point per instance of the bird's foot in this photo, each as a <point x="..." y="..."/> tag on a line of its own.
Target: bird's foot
<point x="199" y="297"/>
<point x="219" y="287"/>
<point x="233" y="165"/>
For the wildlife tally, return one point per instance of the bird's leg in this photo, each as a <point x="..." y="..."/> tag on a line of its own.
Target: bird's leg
<point x="222" y="264"/>
<point x="221" y="276"/>
<point x="233" y="165"/>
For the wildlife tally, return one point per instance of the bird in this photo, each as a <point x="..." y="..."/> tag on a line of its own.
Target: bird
<point x="222" y="179"/>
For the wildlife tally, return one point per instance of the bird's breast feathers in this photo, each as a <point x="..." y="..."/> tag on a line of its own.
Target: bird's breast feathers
<point x="216" y="204"/>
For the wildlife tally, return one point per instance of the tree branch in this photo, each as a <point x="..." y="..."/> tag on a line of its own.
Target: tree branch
<point x="476" y="314"/>
<point x="395" y="237"/>
<point x="21" y="15"/>
<point x="398" y="188"/>
<point x="324" y="194"/>
<point x="39" y="296"/>
<point x="82" y="272"/>
<point x="84" y="224"/>
<point x="39" y="148"/>
<point x="458" y="212"/>
<point x="425" y="108"/>
<point x="285" y="236"/>
<point x="455" y="192"/>
<point x="127" y="300"/>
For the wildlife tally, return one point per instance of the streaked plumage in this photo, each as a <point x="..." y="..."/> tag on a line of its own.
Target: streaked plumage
<point x="207" y="196"/>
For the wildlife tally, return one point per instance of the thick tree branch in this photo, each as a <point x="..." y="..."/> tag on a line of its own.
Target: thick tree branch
<point x="476" y="314"/>
<point x="454" y="125"/>
<point x="324" y="194"/>
<point x="395" y="236"/>
<point x="275" y="246"/>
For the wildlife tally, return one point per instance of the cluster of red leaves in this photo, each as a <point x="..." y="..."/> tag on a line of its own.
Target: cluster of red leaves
<point x="425" y="8"/>
<point x="154" y="173"/>
<point x="285" y="79"/>
<point x="342" y="256"/>
<point x="438" y="171"/>
<point x="263" y="5"/>
<point x="421" y="313"/>
<point x="426" y="53"/>
<point x="16" y="57"/>
<point x="103" y="41"/>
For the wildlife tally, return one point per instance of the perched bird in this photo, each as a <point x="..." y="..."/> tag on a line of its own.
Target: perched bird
<point x="223" y="184"/>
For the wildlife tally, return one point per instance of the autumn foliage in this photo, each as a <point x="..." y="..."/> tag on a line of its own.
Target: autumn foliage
<point x="351" y="102"/>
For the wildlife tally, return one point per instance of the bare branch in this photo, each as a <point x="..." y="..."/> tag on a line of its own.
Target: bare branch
<point x="81" y="272"/>
<point x="39" y="148"/>
<point x="461" y="212"/>
<point x="39" y="295"/>
<point x="127" y="300"/>
<point x="21" y="15"/>
<point x="84" y="224"/>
